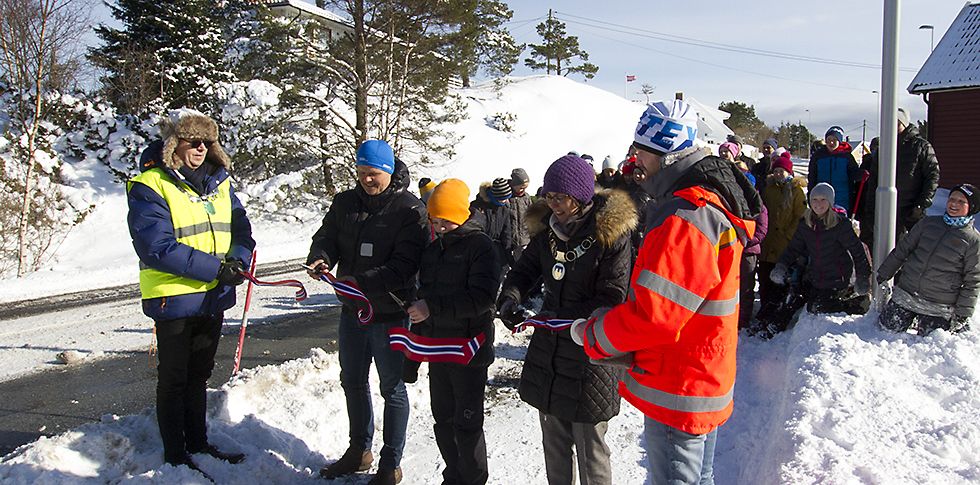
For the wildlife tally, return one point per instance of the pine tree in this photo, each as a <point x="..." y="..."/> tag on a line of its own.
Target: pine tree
<point x="391" y="69"/>
<point x="745" y="123"/>
<point x="481" y="42"/>
<point x="557" y="50"/>
<point x="167" y="54"/>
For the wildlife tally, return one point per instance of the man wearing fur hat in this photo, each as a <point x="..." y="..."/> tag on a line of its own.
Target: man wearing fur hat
<point x="678" y="329"/>
<point x="374" y="234"/>
<point x="193" y="240"/>
<point x="939" y="261"/>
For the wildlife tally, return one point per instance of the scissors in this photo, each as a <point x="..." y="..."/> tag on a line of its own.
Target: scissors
<point x="399" y="301"/>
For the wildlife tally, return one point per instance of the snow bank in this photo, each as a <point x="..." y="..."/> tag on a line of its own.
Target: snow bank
<point x="834" y="400"/>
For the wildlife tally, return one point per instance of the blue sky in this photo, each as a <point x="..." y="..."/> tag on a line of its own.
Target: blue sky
<point x="818" y="94"/>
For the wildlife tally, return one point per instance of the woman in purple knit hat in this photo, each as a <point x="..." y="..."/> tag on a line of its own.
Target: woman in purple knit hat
<point x="580" y="246"/>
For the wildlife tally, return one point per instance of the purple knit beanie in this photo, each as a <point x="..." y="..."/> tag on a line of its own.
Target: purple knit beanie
<point x="571" y="175"/>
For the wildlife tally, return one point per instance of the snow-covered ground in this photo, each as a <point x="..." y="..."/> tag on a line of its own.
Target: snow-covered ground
<point x="834" y="400"/>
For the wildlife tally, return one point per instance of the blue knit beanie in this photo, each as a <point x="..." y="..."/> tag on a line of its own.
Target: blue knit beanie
<point x="377" y="154"/>
<point x="571" y="175"/>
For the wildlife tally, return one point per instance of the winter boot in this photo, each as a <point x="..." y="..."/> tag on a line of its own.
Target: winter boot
<point x="387" y="477"/>
<point x="232" y="458"/>
<point x="352" y="461"/>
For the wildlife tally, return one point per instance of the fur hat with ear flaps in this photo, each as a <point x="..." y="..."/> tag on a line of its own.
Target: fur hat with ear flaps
<point x="190" y="124"/>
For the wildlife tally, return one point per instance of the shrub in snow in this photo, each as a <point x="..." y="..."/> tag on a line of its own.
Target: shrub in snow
<point x="505" y="122"/>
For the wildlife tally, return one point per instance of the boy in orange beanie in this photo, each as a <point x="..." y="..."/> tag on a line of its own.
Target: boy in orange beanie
<point x="458" y="279"/>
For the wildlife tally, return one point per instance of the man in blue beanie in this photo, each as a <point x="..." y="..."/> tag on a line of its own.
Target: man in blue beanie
<point x="374" y="234"/>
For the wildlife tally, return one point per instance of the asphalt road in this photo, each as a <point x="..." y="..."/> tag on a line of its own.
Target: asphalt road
<point x="52" y="402"/>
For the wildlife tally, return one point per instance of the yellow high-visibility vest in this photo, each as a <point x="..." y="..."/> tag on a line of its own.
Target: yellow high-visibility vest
<point x="201" y="222"/>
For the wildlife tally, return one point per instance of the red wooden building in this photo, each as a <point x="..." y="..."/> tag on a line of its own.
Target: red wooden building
<point x="950" y="83"/>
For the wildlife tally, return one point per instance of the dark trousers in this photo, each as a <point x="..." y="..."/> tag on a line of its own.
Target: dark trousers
<point x="186" y="350"/>
<point x="837" y="301"/>
<point x="771" y="295"/>
<point x="457" y="393"/>
<point x="898" y="319"/>
<point x="746" y="293"/>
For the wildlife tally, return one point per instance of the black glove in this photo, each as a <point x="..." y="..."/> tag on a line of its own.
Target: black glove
<point x="230" y="273"/>
<point x="507" y="311"/>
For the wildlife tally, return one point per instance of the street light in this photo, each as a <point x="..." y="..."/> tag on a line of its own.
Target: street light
<point x="932" y="32"/>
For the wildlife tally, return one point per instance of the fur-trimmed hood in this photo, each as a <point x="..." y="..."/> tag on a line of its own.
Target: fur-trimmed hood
<point x="190" y="125"/>
<point x="613" y="210"/>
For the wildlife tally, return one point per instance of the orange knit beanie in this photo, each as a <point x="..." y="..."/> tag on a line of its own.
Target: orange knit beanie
<point x="450" y="201"/>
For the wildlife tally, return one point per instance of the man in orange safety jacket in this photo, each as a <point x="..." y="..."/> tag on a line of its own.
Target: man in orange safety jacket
<point x="678" y="329"/>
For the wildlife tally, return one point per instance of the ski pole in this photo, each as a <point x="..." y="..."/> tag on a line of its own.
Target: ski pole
<point x="241" y="333"/>
<point x="864" y="179"/>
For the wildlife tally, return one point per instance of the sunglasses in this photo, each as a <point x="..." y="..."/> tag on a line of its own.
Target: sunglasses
<point x="195" y="144"/>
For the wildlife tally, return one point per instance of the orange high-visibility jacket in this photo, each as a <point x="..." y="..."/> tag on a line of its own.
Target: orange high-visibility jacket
<point x="680" y="320"/>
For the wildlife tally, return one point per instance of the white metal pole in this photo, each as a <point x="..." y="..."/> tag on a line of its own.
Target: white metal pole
<point x="886" y="195"/>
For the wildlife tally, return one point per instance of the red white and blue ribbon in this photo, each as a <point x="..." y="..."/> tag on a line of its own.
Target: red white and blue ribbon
<point x="350" y="290"/>
<point x="300" y="289"/>
<point x="554" y="324"/>
<point x="432" y="349"/>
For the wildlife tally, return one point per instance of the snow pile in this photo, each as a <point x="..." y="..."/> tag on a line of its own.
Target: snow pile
<point x="834" y="400"/>
<point x="837" y="400"/>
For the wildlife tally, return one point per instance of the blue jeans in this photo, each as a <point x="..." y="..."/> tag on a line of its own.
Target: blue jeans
<point x="677" y="457"/>
<point x="358" y="345"/>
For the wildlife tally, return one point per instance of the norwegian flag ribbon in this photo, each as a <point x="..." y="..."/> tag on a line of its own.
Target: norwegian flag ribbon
<point x="432" y="349"/>
<point x="300" y="289"/>
<point x="555" y="324"/>
<point x="350" y="290"/>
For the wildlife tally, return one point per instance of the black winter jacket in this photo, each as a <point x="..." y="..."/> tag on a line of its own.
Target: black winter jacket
<point x="832" y="254"/>
<point x="518" y="209"/>
<point x="558" y="378"/>
<point x="376" y="239"/>
<point x="916" y="178"/>
<point x="496" y="222"/>
<point x="458" y="280"/>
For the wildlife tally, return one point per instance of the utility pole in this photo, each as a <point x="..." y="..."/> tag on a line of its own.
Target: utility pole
<point x="886" y="197"/>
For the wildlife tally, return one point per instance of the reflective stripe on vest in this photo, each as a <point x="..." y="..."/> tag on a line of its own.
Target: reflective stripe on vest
<point x="195" y="224"/>
<point x="677" y="402"/>
<point x="685" y="298"/>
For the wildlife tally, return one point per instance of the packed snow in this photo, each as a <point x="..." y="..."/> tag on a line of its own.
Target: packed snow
<point x="833" y="400"/>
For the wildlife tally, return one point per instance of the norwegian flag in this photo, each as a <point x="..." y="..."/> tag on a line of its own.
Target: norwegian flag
<point x="432" y="349"/>
<point x="630" y="78"/>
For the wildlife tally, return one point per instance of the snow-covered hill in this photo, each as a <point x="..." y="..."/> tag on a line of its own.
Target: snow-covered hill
<point x="834" y="400"/>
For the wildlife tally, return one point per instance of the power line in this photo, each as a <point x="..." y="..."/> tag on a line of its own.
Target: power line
<point x="722" y="66"/>
<point x="650" y="34"/>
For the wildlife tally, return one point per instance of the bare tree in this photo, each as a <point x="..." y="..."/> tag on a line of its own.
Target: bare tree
<point x="39" y="42"/>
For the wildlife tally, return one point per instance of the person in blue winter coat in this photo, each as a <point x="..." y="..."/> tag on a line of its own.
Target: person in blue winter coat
<point x="834" y="164"/>
<point x="193" y="240"/>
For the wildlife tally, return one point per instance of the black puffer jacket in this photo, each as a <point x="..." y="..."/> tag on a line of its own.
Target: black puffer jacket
<point x="558" y="378"/>
<point x="832" y="254"/>
<point x="496" y="222"/>
<point x="518" y="209"/>
<point x="376" y="239"/>
<point x="458" y="280"/>
<point x="916" y="178"/>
